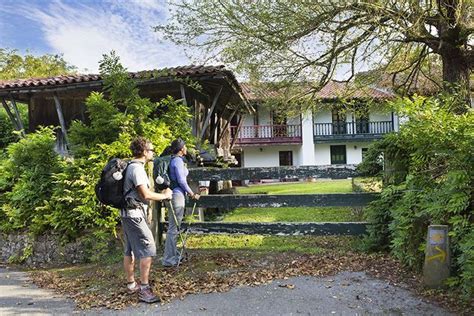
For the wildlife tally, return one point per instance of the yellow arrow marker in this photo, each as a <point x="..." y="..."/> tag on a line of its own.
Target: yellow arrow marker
<point x="441" y="255"/>
<point x="437" y="238"/>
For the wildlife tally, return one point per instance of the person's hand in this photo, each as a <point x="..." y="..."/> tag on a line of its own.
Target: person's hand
<point x="168" y="193"/>
<point x="195" y="196"/>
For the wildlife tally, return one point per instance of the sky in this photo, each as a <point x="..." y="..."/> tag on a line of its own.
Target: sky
<point x="84" y="30"/>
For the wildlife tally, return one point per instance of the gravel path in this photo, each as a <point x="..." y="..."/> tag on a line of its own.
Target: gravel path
<point x="348" y="293"/>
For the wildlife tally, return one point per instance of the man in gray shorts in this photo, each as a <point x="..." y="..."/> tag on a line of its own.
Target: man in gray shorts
<point x="139" y="242"/>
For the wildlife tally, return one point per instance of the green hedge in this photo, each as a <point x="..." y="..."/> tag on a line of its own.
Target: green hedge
<point x="436" y="147"/>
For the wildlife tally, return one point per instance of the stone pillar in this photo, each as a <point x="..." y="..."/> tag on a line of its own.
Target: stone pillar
<point x="307" y="147"/>
<point x="436" y="266"/>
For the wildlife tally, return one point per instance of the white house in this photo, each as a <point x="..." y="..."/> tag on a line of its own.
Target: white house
<point x="325" y="137"/>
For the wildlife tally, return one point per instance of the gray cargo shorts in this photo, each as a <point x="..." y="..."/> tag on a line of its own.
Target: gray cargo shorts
<point x="138" y="238"/>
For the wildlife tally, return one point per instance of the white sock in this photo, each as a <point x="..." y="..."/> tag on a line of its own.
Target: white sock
<point x="131" y="285"/>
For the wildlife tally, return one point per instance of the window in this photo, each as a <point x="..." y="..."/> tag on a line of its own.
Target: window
<point x="286" y="158"/>
<point x="338" y="122"/>
<point x="364" y="153"/>
<point x="338" y="154"/>
<point x="362" y="119"/>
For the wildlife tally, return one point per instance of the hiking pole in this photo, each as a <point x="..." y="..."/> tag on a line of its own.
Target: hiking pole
<point x="178" y="225"/>
<point x="186" y="237"/>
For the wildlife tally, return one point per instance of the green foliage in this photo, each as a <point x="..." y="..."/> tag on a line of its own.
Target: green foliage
<point x="27" y="180"/>
<point x="7" y="131"/>
<point x="309" y="41"/>
<point x="41" y="191"/>
<point x="15" y="66"/>
<point x="436" y="146"/>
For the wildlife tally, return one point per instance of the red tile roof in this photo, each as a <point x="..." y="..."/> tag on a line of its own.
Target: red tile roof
<point x="331" y="91"/>
<point x="182" y="71"/>
<point x="341" y="90"/>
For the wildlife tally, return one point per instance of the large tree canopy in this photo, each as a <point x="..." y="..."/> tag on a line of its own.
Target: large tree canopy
<point x="16" y="66"/>
<point x="297" y="40"/>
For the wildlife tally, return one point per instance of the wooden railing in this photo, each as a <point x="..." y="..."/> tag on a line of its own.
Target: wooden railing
<point x="267" y="134"/>
<point x="259" y="201"/>
<point x="352" y="128"/>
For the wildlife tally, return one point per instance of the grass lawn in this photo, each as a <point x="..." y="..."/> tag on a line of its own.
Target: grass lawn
<point x="318" y="187"/>
<point x="295" y="214"/>
<point x="292" y="214"/>
<point x="264" y="244"/>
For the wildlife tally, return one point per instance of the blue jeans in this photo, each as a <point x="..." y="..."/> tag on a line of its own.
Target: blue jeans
<point x="171" y="254"/>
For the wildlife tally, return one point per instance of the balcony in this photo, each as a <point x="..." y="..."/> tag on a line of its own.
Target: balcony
<point x="257" y="135"/>
<point x="351" y="131"/>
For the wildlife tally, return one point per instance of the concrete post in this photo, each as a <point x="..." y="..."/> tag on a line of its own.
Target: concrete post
<point x="436" y="266"/>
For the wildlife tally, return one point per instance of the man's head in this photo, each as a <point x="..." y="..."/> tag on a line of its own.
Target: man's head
<point x="142" y="148"/>
<point x="178" y="147"/>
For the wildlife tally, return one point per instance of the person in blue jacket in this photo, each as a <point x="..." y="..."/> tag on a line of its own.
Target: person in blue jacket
<point x="177" y="173"/>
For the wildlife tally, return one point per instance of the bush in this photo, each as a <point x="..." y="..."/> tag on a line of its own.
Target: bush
<point x="436" y="147"/>
<point x="27" y="180"/>
<point x="7" y="132"/>
<point x="44" y="192"/>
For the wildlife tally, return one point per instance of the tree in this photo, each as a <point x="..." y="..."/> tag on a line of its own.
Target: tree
<point x="294" y="40"/>
<point x="15" y="66"/>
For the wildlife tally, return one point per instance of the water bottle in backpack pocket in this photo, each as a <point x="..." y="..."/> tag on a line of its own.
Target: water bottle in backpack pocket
<point x="109" y="189"/>
<point x="161" y="172"/>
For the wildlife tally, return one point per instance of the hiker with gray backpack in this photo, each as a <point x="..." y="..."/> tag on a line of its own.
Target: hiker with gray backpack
<point x="177" y="173"/>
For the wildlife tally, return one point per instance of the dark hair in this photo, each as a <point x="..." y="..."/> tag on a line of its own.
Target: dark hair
<point x="177" y="145"/>
<point x="139" y="145"/>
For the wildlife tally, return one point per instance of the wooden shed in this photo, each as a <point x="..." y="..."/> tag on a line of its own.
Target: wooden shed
<point x="212" y="92"/>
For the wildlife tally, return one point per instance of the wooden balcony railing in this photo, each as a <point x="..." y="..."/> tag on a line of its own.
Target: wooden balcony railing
<point x="270" y="134"/>
<point x="335" y="130"/>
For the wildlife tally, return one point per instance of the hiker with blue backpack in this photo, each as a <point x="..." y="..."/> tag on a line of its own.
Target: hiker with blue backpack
<point x="139" y="241"/>
<point x="177" y="177"/>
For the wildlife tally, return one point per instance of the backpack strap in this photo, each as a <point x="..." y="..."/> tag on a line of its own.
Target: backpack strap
<point x="125" y="171"/>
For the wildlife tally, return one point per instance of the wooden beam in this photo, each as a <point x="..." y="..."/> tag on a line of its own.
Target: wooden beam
<point x="10" y="115"/>
<point x="231" y="201"/>
<point x="258" y="173"/>
<point x="279" y="229"/>
<point x="211" y="111"/>
<point x="183" y="94"/>
<point x="239" y="125"/>
<point x="226" y="126"/>
<point x="60" y="117"/>
<point x="17" y="114"/>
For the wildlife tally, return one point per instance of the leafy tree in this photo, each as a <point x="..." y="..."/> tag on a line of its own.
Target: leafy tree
<point x="15" y="66"/>
<point x="294" y="40"/>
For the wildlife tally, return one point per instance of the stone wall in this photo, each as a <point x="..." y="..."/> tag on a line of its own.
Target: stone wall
<point x="43" y="250"/>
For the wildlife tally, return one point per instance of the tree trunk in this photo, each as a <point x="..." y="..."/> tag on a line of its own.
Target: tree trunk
<point x="456" y="77"/>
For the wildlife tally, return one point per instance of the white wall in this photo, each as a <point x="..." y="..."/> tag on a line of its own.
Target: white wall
<point x="322" y="116"/>
<point x="268" y="156"/>
<point x="322" y="152"/>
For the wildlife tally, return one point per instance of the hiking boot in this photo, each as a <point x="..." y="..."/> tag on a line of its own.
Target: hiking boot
<point x="134" y="289"/>
<point x="146" y="295"/>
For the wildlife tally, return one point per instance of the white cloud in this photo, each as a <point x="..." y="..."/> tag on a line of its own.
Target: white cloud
<point x="83" y="32"/>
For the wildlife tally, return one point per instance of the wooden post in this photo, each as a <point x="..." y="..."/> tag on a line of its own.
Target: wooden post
<point x="209" y="114"/>
<point x="226" y="125"/>
<point x="239" y="125"/>
<point x="17" y="113"/>
<point x="153" y="217"/>
<point x="10" y="115"/>
<point x="183" y="94"/>
<point x="60" y="117"/>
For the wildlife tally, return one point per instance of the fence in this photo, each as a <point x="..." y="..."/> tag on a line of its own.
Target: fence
<point x="229" y="201"/>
